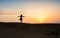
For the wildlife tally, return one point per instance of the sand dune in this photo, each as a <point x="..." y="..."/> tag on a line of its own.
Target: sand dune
<point x="25" y="30"/>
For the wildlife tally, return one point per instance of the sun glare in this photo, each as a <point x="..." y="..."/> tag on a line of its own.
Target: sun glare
<point x="47" y="19"/>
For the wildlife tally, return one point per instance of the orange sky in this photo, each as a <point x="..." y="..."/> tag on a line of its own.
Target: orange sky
<point x="34" y="12"/>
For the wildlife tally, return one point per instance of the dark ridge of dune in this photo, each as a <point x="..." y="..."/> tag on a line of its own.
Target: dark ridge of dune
<point x="26" y="30"/>
<point x="27" y="25"/>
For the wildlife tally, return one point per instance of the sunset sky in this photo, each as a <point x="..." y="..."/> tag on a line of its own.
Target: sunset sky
<point x="35" y="11"/>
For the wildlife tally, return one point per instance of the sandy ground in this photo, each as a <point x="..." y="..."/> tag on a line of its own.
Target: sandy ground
<point x="21" y="33"/>
<point x="15" y="30"/>
<point x="18" y="33"/>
